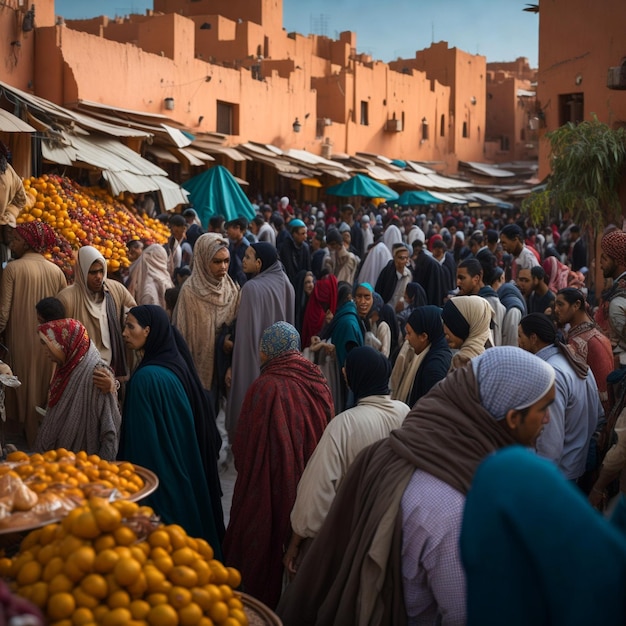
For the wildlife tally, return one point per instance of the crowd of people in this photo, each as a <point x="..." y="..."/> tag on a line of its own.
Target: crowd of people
<point x="357" y="365"/>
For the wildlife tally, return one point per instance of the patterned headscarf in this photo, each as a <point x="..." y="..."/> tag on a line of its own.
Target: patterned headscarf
<point x="511" y="378"/>
<point x="614" y="245"/>
<point x="279" y="338"/>
<point x="68" y="339"/>
<point x="38" y="235"/>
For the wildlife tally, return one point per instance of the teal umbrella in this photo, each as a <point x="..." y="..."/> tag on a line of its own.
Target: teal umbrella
<point x="216" y="192"/>
<point x="412" y="198"/>
<point x="360" y="185"/>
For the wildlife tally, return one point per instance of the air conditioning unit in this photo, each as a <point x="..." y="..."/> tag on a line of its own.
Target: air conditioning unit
<point x="616" y="78"/>
<point x="393" y="126"/>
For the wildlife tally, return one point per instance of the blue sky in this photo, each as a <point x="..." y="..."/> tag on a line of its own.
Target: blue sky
<point x="497" y="29"/>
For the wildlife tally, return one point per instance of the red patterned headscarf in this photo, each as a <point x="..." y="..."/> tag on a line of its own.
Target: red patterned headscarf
<point x="614" y="245"/>
<point x="38" y="235"/>
<point x="66" y="338"/>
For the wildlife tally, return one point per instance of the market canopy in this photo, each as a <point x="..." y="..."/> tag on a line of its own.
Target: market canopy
<point x="216" y="192"/>
<point x="361" y="185"/>
<point x="411" y="198"/>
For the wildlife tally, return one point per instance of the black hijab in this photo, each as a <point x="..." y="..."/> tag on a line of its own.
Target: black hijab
<point x="367" y="372"/>
<point x="166" y="348"/>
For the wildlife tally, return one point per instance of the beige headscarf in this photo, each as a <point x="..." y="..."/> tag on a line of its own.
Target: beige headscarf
<point x="151" y="278"/>
<point x="204" y="305"/>
<point x="404" y="372"/>
<point x="95" y="302"/>
<point x="478" y="313"/>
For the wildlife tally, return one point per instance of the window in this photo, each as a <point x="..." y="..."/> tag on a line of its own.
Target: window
<point x="227" y="118"/>
<point x="465" y="130"/>
<point x="571" y="108"/>
<point x="424" y="129"/>
<point x="442" y="126"/>
<point x="504" y="143"/>
<point x="364" y="113"/>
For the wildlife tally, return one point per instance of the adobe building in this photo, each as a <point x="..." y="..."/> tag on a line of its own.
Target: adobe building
<point x="582" y="66"/>
<point x="512" y="132"/>
<point x="229" y="68"/>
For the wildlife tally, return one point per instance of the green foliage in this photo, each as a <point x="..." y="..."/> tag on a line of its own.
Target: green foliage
<point x="588" y="162"/>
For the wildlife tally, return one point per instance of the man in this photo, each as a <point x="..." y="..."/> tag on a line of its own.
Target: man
<point x="411" y="230"/>
<point x="135" y="249"/>
<point x="194" y="226"/>
<point x="429" y="274"/>
<point x="393" y="279"/>
<point x="12" y="200"/>
<point x="101" y="306"/>
<point x="512" y="240"/>
<point x="388" y="550"/>
<point x="340" y="262"/>
<point x="469" y="280"/>
<point x="585" y="337"/>
<point x="375" y="415"/>
<point x="216" y="225"/>
<point x="356" y="233"/>
<point x="392" y="234"/>
<point x="294" y="252"/>
<point x="262" y="230"/>
<point x="532" y="283"/>
<point x="577" y="249"/>
<point x="368" y="235"/>
<point x="267" y="297"/>
<point x="237" y="246"/>
<point x="179" y="251"/>
<point x="446" y="260"/>
<point x="25" y="281"/>
<point x="613" y="307"/>
<point x="576" y="409"/>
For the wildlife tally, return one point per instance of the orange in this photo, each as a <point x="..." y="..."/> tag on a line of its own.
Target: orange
<point x="203" y="570"/>
<point x="59" y="584"/>
<point x="5" y="567"/>
<point x="61" y="606"/>
<point x="183" y="575"/>
<point x="85" y="526"/>
<point x="105" y="561"/>
<point x="84" y="558"/>
<point x="226" y="591"/>
<point x="179" y="597"/>
<point x="95" y="586"/>
<point x="126" y="571"/>
<point x="183" y="556"/>
<point x="164" y="564"/>
<point x="82" y="616"/>
<point x="139" y="587"/>
<point x="17" y="456"/>
<point x="107" y="517"/>
<point x="234" y="577"/>
<point x="214" y="592"/>
<point x="159" y="539"/>
<point x="138" y="554"/>
<point x="84" y="599"/>
<point x="190" y="615"/>
<point x="218" y="611"/>
<point x="29" y="573"/>
<point x="39" y="595"/>
<point x="154" y="599"/>
<point x="219" y="574"/>
<point x="104" y="542"/>
<point x="178" y="536"/>
<point x="46" y="553"/>
<point x="116" y="617"/>
<point x="154" y="577"/>
<point x="119" y="599"/>
<point x="162" y="615"/>
<point x="139" y="609"/>
<point x="201" y="597"/>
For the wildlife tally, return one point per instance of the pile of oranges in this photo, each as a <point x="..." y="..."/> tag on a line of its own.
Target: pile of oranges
<point x="72" y="474"/>
<point x="114" y="564"/>
<point x="84" y="216"/>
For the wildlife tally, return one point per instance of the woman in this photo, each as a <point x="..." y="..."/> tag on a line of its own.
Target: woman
<point x="323" y="300"/>
<point x="79" y="416"/>
<point x="557" y="273"/>
<point x="414" y="296"/>
<point x="282" y="418"/>
<point x="303" y="290"/>
<point x="383" y="333"/>
<point x="169" y="427"/>
<point x="424" y="358"/>
<point x="466" y="325"/>
<point x="151" y="278"/>
<point x="208" y="300"/>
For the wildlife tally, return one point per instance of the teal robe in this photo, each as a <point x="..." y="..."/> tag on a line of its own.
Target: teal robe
<point x="158" y="433"/>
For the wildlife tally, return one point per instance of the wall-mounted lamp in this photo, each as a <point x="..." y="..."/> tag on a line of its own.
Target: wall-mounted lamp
<point x="473" y="100"/>
<point x="424" y="121"/>
<point x="200" y="120"/>
<point x="168" y="103"/>
<point x="297" y="127"/>
<point x="28" y="23"/>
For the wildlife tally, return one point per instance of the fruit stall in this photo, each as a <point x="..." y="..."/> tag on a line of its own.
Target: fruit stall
<point x="95" y="555"/>
<point x="91" y="216"/>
